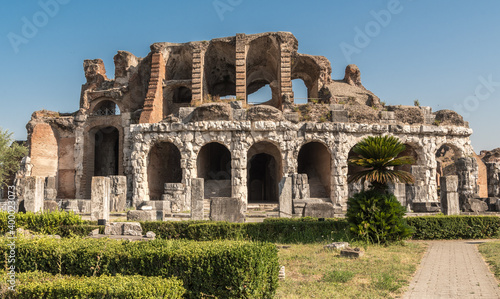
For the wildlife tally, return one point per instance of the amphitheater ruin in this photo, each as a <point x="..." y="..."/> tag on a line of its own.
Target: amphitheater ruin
<point x="174" y="134"/>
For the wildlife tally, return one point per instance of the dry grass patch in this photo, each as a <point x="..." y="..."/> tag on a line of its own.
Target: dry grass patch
<point x="313" y="272"/>
<point x="491" y="253"/>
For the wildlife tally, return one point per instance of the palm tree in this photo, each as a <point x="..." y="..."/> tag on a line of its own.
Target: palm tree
<point x="379" y="155"/>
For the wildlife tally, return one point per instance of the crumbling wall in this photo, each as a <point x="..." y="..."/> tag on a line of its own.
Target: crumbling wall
<point x="288" y="138"/>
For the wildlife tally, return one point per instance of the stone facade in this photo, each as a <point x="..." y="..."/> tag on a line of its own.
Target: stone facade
<point x="165" y="120"/>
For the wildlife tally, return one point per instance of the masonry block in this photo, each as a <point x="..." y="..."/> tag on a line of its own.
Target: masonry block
<point x="118" y="195"/>
<point x="226" y="209"/>
<point x="197" y="196"/>
<point x="34" y="193"/>
<point x="100" y="198"/>
<point x="285" y="197"/>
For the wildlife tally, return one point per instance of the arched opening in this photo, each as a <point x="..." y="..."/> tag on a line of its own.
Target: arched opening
<point x="263" y="61"/>
<point x="314" y="160"/>
<point x="446" y="156"/>
<point x="264" y="173"/>
<point x="299" y="91"/>
<point x="182" y="95"/>
<point x="214" y="166"/>
<point x="409" y="151"/>
<point x="308" y="70"/>
<point x="220" y="69"/>
<point x="164" y="166"/>
<point x="106" y="108"/>
<point x="106" y="151"/>
<point x="262" y="95"/>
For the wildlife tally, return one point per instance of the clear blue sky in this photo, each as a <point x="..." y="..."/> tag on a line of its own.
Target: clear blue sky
<point x="442" y="53"/>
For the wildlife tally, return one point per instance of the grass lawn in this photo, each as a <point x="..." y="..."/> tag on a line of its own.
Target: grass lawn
<point x="491" y="253"/>
<point x="313" y="272"/>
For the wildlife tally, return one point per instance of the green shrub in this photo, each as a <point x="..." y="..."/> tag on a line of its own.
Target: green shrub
<point x="377" y="217"/>
<point x="454" y="227"/>
<point x="45" y="223"/>
<point x="275" y="230"/>
<point x="225" y="269"/>
<point x="82" y="230"/>
<point x="44" y="285"/>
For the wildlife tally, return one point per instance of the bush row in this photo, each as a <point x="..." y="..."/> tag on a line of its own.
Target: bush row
<point x="224" y="269"/>
<point x="46" y="223"/>
<point x="275" y="230"/>
<point x="44" y="285"/>
<point x="307" y="230"/>
<point x="454" y="227"/>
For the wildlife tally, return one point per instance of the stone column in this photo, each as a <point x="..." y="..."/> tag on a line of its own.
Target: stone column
<point x="449" y="195"/>
<point x="340" y="187"/>
<point x="50" y="188"/>
<point x="239" y="168"/>
<point x="493" y="174"/>
<point x="285" y="197"/>
<point x="99" y="201"/>
<point x="197" y="77"/>
<point x="34" y="193"/>
<point x="197" y="196"/>
<point x="467" y="171"/>
<point x="241" y="66"/>
<point x="118" y="193"/>
<point x="285" y="75"/>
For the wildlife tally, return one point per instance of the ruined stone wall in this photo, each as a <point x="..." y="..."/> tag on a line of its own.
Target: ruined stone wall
<point x="240" y="136"/>
<point x="172" y="96"/>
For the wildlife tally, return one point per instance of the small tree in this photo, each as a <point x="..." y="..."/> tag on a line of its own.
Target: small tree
<point x="10" y="156"/>
<point x="379" y="155"/>
<point x="376" y="215"/>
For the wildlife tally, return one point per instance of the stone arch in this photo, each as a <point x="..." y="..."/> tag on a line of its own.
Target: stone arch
<point x="220" y="69"/>
<point x="411" y="151"/>
<point x="308" y="70"/>
<point x="213" y="164"/>
<point x="103" y="153"/>
<point x="176" y="94"/>
<point x="182" y="95"/>
<point x="106" y="153"/>
<point x="105" y="107"/>
<point x="265" y="169"/>
<point x="447" y="155"/>
<point x="263" y="61"/>
<point x="314" y="159"/>
<point x="164" y="166"/>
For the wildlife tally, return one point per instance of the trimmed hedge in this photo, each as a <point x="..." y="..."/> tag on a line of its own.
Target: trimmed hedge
<point x="301" y="230"/>
<point x="454" y="227"/>
<point x="45" y="223"/>
<point x="225" y="269"/>
<point x="44" y="285"/>
<point x="310" y="230"/>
